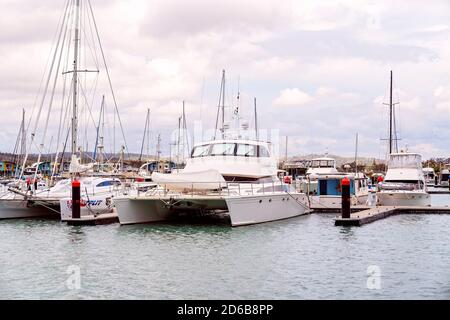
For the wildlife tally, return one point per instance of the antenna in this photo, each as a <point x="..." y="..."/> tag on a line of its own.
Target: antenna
<point x="256" y="121"/>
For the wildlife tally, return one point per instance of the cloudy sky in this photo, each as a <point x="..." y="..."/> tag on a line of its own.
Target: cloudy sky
<point x="319" y="69"/>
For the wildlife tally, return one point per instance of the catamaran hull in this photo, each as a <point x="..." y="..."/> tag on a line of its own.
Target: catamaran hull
<point x="258" y="209"/>
<point x="19" y="208"/>
<point x="407" y="198"/>
<point x="241" y="210"/>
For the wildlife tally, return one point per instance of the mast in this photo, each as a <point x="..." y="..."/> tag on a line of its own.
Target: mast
<point x="256" y="121"/>
<point x="23" y="145"/>
<point x="146" y="135"/>
<point x="356" y="154"/>
<point x="221" y="107"/>
<point x="178" y="143"/>
<point x="286" y="150"/>
<point x="158" y="152"/>
<point x="223" y="104"/>
<point x="75" y="78"/>
<point x="391" y="115"/>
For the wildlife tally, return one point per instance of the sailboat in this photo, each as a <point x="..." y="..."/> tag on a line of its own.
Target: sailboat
<point x="404" y="183"/>
<point x="78" y="69"/>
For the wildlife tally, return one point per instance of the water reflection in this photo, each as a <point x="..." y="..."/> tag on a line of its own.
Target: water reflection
<point x="76" y="234"/>
<point x="347" y="233"/>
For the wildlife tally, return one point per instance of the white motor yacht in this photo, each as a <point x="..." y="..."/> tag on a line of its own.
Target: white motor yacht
<point x="235" y="177"/>
<point x="430" y="176"/>
<point x="444" y="176"/>
<point x="404" y="183"/>
<point x="328" y="192"/>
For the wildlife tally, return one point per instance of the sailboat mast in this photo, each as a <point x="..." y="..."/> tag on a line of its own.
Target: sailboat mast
<point x="391" y="109"/>
<point x="75" y="78"/>
<point x="256" y="121"/>
<point x="223" y="104"/>
<point x="23" y="146"/>
<point x="356" y="154"/>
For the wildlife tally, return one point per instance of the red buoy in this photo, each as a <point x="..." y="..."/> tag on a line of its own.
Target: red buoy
<point x="380" y="179"/>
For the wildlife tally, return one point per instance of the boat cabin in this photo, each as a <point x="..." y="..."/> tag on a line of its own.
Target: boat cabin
<point x="322" y="166"/>
<point x="331" y="185"/>
<point x="43" y="168"/>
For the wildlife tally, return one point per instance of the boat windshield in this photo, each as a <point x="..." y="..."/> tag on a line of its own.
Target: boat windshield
<point x="230" y="149"/>
<point x="246" y="150"/>
<point x="200" y="151"/>
<point x="223" y="149"/>
<point x="322" y="163"/>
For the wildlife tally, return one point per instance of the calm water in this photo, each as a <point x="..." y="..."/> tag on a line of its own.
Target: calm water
<point x="301" y="258"/>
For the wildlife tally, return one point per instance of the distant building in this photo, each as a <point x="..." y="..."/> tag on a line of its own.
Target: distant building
<point x="7" y="168"/>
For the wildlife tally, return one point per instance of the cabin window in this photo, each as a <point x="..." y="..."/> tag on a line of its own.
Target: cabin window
<point x="108" y="183"/>
<point x="200" y="151"/>
<point x="263" y="152"/>
<point x="246" y="150"/>
<point x="223" y="149"/>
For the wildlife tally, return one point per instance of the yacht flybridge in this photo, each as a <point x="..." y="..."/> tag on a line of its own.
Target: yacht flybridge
<point x="404" y="183"/>
<point x="323" y="165"/>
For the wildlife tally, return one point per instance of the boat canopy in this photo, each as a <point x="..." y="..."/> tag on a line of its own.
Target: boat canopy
<point x="405" y="160"/>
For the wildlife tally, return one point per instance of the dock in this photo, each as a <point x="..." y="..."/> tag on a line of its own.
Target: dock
<point x="441" y="191"/>
<point x="92" y="220"/>
<point x="380" y="212"/>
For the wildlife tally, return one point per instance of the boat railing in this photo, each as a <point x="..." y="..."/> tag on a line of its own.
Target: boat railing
<point x="211" y="188"/>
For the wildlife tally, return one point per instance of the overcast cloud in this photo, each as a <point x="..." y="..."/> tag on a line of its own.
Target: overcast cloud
<point x="319" y="69"/>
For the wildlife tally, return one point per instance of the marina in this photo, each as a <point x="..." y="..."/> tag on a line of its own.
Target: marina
<point x="131" y="177"/>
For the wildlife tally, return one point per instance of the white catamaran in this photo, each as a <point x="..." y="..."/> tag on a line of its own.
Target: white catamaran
<point x="232" y="176"/>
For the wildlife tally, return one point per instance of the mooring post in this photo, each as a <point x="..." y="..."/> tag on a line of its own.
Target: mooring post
<point x="435" y="180"/>
<point x="75" y="199"/>
<point x="345" y="187"/>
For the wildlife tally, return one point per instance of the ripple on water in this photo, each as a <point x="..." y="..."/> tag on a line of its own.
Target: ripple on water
<point x="301" y="258"/>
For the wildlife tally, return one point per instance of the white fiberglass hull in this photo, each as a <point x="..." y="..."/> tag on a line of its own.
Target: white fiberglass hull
<point x="403" y="198"/>
<point x="248" y="210"/>
<point x="335" y="202"/>
<point x="19" y="208"/>
<point x="243" y="210"/>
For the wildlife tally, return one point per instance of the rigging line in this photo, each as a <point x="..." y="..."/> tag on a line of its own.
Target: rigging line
<point x="52" y="97"/>
<point x="87" y="106"/>
<point x="46" y="64"/>
<point x="109" y="78"/>
<point x="93" y="54"/>
<point x="45" y="91"/>
<point x="62" y="123"/>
